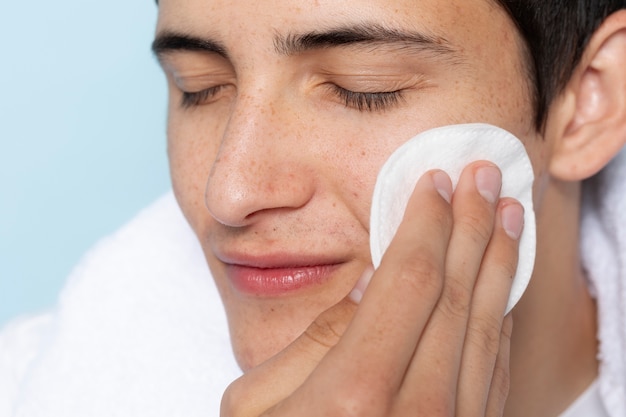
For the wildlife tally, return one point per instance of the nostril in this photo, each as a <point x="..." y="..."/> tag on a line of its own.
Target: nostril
<point x="234" y="195"/>
<point x="226" y="201"/>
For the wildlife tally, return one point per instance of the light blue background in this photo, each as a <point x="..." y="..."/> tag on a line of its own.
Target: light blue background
<point x="82" y="134"/>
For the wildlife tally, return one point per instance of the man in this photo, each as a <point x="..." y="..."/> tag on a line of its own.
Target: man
<point x="280" y="115"/>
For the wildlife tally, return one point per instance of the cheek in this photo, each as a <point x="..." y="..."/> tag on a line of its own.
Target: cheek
<point x="191" y="150"/>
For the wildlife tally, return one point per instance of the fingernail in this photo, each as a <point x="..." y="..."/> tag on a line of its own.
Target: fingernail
<point x="442" y="183"/>
<point x="361" y="285"/>
<point x="513" y="220"/>
<point x="488" y="182"/>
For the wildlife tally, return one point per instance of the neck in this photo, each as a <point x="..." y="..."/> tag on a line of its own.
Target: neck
<point x="554" y="347"/>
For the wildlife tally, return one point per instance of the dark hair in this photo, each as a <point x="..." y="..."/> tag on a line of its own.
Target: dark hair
<point x="556" y="33"/>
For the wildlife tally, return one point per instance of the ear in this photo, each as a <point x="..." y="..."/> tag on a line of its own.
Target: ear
<point x="592" y="110"/>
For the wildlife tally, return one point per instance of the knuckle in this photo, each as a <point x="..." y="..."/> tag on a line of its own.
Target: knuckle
<point x="455" y="301"/>
<point x="485" y="333"/>
<point x="501" y="382"/>
<point x="232" y="404"/>
<point x="324" y="332"/>
<point x="422" y="274"/>
<point x="357" y="400"/>
<point x="347" y="407"/>
<point x="432" y="404"/>
<point x="507" y="330"/>
<point x="433" y="220"/>
<point x="476" y="225"/>
<point x="506" y="264"/>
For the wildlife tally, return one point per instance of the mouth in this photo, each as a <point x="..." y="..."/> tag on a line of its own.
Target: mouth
<point x="277" y="276"/>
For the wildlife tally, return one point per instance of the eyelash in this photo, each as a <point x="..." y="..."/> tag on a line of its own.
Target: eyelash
<point x="360" y="101"/>
<point x="370" y="102"/>
<point x="193" y="99"/>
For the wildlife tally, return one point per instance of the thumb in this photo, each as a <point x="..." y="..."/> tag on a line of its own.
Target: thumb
<point x="266" y="385"/>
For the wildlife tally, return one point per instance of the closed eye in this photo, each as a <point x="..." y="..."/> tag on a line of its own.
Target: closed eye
<point x="198" y="98"/>
<point x="368" y="101"/>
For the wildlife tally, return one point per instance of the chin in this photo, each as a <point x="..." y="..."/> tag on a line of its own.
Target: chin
<point x="251" y="353"/>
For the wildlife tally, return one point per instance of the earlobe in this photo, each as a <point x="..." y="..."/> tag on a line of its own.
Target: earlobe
<point x="594" y="106"/>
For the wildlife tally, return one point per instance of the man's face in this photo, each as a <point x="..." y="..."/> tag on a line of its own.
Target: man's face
<point x="274" y="163"/>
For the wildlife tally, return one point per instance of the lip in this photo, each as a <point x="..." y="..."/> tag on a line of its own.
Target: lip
<point x="273" y="276"/>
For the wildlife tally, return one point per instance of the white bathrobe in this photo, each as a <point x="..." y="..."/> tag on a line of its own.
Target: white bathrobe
<point x="139" y="329"/>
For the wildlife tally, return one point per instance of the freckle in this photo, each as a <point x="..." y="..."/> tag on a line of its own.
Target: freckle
<point x="362" y="153"/>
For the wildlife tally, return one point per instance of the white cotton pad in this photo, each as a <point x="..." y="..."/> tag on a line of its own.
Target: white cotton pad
<point x="450" y="149"/>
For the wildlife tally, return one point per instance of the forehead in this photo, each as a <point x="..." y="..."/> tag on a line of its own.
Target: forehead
<point x="464" y="23"/>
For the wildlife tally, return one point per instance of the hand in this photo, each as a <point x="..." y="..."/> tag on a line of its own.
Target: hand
<point x="428" y="337"/>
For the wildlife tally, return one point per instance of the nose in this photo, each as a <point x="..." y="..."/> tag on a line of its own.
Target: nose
<point x="260" y="166"/>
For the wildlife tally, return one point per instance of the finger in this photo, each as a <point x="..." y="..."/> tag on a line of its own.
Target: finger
<point x="438" y="356"/>
<point x="482" y="343"/>
<point x="500" y="382"/>
<point x="274" y="380"/>
<point x="366" y="367"/>
<point x="406" y="286"/>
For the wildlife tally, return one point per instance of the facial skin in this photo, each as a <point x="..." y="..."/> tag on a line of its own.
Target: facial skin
<point x="275" y="171"/>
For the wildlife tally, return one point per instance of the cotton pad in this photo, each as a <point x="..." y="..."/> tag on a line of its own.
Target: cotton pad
<point x="452" y="148"/>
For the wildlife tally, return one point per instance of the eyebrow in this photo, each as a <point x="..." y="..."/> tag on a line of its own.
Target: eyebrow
<point x="167" y="42"/>
<point x="366" y="35"/>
